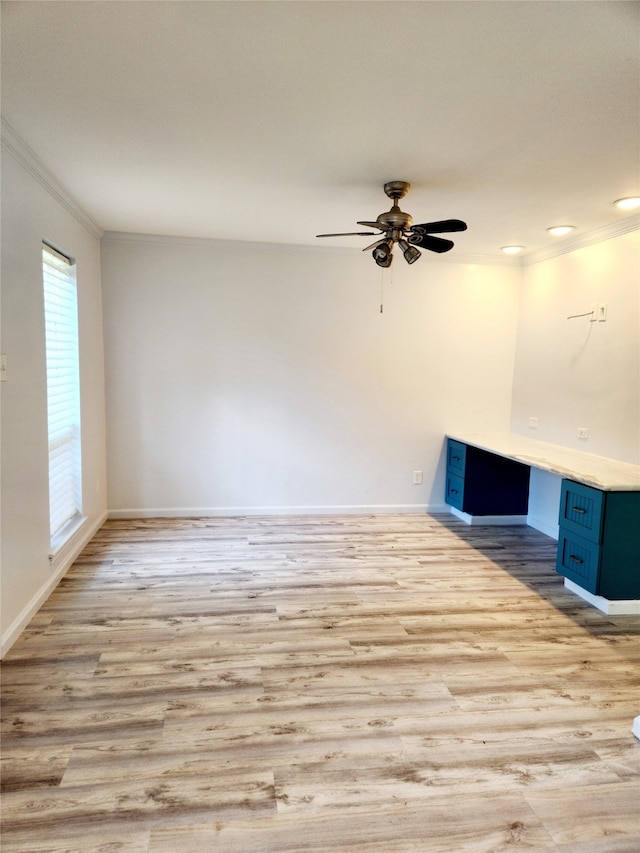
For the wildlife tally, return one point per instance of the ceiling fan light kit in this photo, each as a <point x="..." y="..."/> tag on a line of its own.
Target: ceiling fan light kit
<point x="411" y="254"/>
<point x="396" y="226"/>
<point x="382" y="253"/>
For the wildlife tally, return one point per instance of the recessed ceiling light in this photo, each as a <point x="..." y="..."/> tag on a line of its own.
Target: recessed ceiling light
<point x="560" y="230"/>
<point x="512" y="250"/>
<point x="628" y="203"/>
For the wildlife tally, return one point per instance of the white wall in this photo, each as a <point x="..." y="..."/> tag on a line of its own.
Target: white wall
<point x="252" y="378"/>
<point x="574" y="373"/>
<point x="31" y="213"/>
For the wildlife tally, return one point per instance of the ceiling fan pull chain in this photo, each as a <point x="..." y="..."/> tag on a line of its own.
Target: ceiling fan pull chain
<point x="382" y="279"/>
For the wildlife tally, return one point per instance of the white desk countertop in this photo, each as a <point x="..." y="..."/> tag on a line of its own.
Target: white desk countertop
<point x="610" y="475"/>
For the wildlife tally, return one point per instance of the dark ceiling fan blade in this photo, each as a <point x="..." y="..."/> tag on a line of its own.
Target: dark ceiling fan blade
<point x="432" y="244"/>
<point x="349" y="234"/>
<point x="444" y="226"/>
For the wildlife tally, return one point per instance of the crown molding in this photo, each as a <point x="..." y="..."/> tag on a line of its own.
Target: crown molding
<point x="631" y="223"/>
<point x="476" y="259"/>
<point x="606" y="232"/>
<point x="209" y="242"/>
<point x="29" y="160"/>
<point x="213" y="242"/>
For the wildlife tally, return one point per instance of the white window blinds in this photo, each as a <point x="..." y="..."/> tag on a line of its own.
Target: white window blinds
<point x="63" y="394"/>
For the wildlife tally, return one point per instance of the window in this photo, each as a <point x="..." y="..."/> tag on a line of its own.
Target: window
<point x="63" y="395"/>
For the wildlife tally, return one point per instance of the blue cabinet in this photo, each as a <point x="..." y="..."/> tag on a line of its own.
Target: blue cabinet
<point x="599" y="541"/>
<point x="482" y="483"/>
<point x="599" y="536"/>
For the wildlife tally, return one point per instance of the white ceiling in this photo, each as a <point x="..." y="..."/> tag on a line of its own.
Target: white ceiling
<point x="275" y="121"/>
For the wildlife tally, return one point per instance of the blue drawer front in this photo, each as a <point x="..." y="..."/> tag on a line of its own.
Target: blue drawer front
<point x="578" y="559"/>
<point x="455" y="491"/>
<point x="581" y="510"/>
<point x="456" y="454"/>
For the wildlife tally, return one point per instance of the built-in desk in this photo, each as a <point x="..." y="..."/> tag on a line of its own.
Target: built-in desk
<point x="599" y="513"/>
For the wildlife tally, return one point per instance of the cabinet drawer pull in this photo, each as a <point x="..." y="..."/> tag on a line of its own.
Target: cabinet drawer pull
<point x="579" y="509"/>
<point x="453" y="491"/>
<point x="456" y="458"/>
<point x="576" y="559"/>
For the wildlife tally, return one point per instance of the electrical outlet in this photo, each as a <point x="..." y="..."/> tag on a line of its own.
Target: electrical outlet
<point x="583" y="433"/>
<point x="417" y="478"/>
<point x="533" y="423"/>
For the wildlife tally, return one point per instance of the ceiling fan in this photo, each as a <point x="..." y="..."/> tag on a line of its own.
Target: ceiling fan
<point x="397" y="227"/>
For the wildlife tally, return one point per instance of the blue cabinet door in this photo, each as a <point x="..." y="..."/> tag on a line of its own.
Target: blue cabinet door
<point x="579" y="560"/>
<point x="581" y="510"/>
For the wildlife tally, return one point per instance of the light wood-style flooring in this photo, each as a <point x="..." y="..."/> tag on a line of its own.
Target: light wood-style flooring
<point x="370" y="684"/>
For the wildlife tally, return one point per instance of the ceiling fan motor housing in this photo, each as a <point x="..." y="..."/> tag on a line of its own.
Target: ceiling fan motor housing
<point x="395" y="219"/>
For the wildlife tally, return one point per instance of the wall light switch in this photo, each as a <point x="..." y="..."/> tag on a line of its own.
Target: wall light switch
<point x="601" y="312"/>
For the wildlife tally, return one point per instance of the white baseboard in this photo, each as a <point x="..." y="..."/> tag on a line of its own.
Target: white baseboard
<point x="235" y="511"/>
<point x="506" y="520"/>
<point x="627" y="607"/>
<point x="493" y="520"/>
<point x="62" y="564"/>
<point x="543" y="526"/>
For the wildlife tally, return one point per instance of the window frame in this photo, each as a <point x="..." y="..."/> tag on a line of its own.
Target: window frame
<point x="64" y="433"/>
